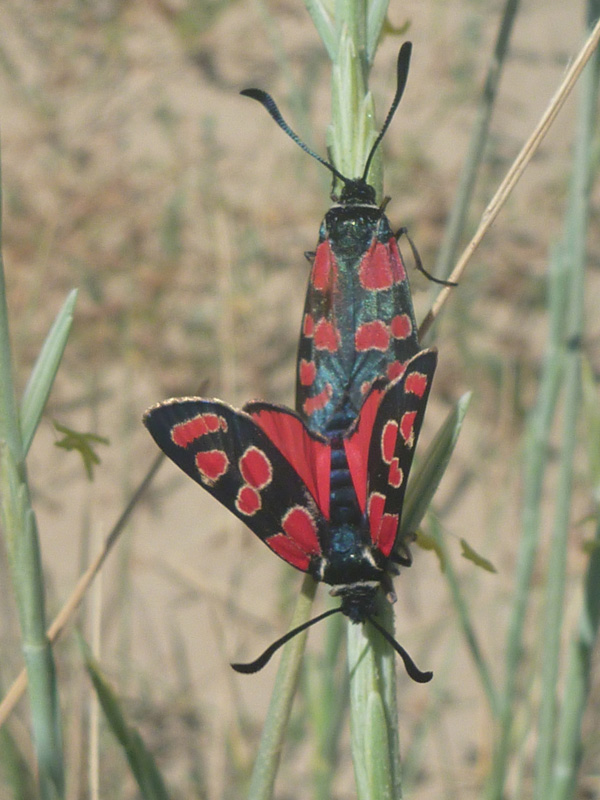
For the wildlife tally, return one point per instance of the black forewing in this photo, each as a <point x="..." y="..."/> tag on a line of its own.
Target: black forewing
<point x="230" y="456"/>
<point x="393" y="442"/>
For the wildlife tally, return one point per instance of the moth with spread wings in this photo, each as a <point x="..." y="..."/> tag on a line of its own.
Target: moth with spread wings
<point x="279" y="477"/>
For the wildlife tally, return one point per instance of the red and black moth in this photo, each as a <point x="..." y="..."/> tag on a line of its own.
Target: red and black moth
<point x="280" y="478"/>
<point x="358" y="322"/>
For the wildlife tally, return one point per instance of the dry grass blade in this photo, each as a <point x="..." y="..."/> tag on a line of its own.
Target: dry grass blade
<point x="513" y="175"/>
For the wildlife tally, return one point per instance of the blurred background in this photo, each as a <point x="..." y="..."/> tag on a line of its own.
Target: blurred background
<point x="133" y="171"/>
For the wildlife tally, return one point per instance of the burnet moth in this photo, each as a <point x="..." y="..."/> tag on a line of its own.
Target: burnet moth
<point x="358" y="321"/>
<point x="324" y="487"/>
<point x="328" y="505"/>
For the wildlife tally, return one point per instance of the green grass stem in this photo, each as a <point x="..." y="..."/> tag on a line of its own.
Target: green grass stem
<point x="561" y="367"/>
<point x="573" y="252"/>
<point x="327" y="689"/>
<point x="373" y="710"/>
<point x="271" y="743"/>
<point x="22" y="545"/>
<point x="459" y="210"/>
<point x="569" y="747"/>
<point x="461" y="609"/>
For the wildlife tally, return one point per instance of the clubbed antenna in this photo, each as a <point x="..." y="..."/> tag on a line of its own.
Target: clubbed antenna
<point x="401" y="78"/>
<point x="411" y="668"/>
<point x="267" y="101"/>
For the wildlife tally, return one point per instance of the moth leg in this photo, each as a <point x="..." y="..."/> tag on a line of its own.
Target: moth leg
<point x="418" y="262"/>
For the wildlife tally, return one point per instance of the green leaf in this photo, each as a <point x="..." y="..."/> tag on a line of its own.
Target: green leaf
<point x="82" y="442"/>
<point x="590" y="546"/>
<point x="427" y="542"/>
<point x="472" y="555"/>
<point x="44" y="371"/>
<point x="141" y="761"/>
<point x="322" y="17"/>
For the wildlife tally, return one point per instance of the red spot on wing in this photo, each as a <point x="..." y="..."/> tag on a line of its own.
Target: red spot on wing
<point x="383" y="527"/>
<point x="307" y="372"/>
<point x="307" y="455"/>
<point x="300" y="525"/>
<point x="375" y="271"/>
<point x="397" y="267"/>
<point x="407" y="427"/>
<point x="396" y="475"/>
<point x="319" y="401"/>
<point x="416" y="383"/>
<point x="375" y="513"/>
<point x="248" y="501"/>
<point x="395" y="370"/>
<point x="184" y="433"/>
<point x="386" y="535"/>
<point x="401" y="326"/>
<point x="388" y="440"/>
<point x="324" y="269"/>
<point x="211" y="464"/>
<point x="289" y="551"/>
<point x="326" y="336"/>
<point x="308" y="325"/>
<point x="256" y="468"/>
<point x="373" y="335"/>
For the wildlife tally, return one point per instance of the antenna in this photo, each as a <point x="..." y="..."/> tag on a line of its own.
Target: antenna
<point x="267" y="101"/>
<point x="401" y="78"/>
<point x="411" y="668"/>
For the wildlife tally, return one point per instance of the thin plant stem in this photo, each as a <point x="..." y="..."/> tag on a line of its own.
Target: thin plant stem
<point x="569" y="746"/>
<point x="24" y="557"/>
<point x="574" y="252"/>
<point x="514" y="174"/>
<point x="556" y="579"/>
<point x="535" y="459"/>
<point x="561" y="364"/>
<point x="466" y="184"/>
<point x="273" y="734"/>
<point x="462" y="612"/>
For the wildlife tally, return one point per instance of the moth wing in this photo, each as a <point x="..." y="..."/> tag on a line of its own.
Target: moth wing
<point x="393" y="442"/>
<point x="233" y="458"/>
<point x="381" y="446"/>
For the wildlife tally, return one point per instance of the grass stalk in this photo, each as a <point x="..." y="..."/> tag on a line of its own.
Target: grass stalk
<point x="371" y="663"/>
<point x="574" y="252"/>
<point x="569" y="746"/>
<point x="462" y="612"/>
<point x="556" y="579"/>
<point x="515" y="172"/>
<point x="373" y="710"/>
<point x="22" y="545"/>
<point x="535" y="459"/>
<point x="562" y="363"/>
<point x="271" y="743"/>
<point x="460" y="207"/>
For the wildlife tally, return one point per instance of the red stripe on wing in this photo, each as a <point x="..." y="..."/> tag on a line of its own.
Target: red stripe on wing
<point x="309" y="456"/>
<point x="357" y="443"/>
